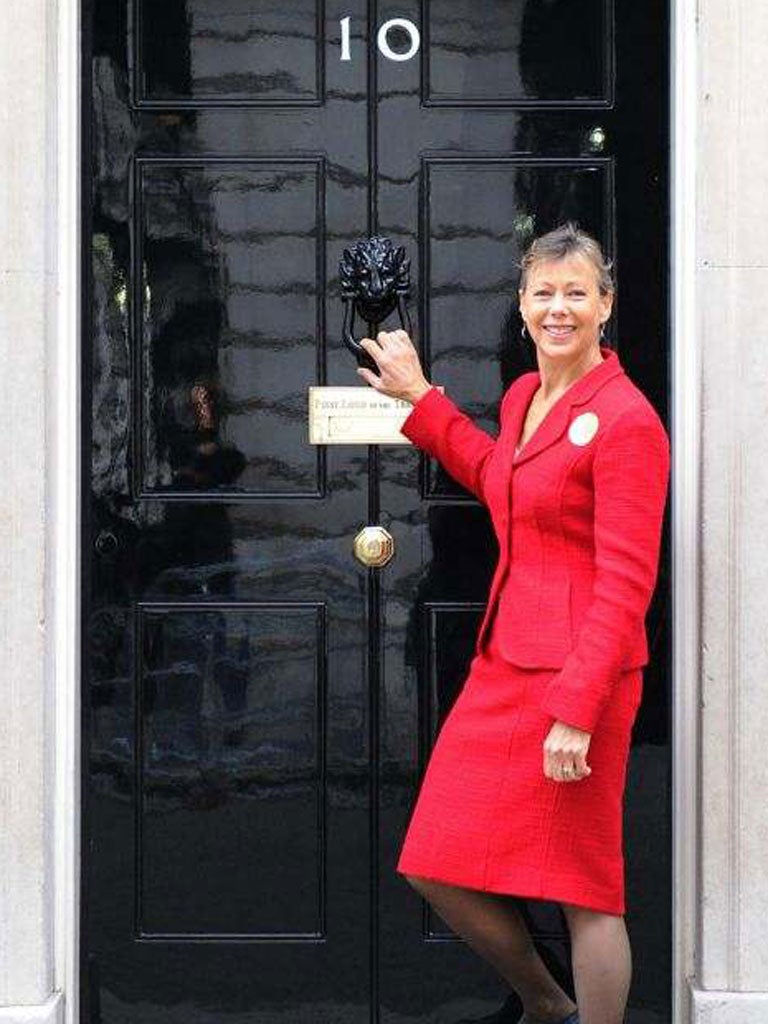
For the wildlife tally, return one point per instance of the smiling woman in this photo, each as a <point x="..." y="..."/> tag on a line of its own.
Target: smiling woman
<point x="509" y="804"/>
<point x="566" y="295"/>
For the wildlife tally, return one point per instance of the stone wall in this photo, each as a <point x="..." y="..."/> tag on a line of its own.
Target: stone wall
<point x="731" y="984"/>
<point x="27" y="290"/>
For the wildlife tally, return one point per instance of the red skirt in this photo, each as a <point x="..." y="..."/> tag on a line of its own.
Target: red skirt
<point x="488" y="818"/>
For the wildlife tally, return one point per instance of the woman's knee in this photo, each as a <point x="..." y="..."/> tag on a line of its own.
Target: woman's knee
<point x="575" y="914"/>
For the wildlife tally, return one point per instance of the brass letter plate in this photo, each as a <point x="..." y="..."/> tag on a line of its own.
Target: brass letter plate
<point x="355" y="415"/>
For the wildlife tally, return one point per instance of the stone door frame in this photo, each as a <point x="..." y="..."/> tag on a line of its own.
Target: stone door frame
<point x="59" y="217"/>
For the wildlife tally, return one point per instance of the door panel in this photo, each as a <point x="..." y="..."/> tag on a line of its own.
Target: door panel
<point x="229" y="51"/>
<point x="215" y="240"/>
<point x="501" y="53"/>
<point x="258" y="707"/>
<point x="231" y="775"/>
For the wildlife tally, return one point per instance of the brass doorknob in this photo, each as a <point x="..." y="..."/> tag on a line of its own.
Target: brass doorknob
<point x="374" y="546"/>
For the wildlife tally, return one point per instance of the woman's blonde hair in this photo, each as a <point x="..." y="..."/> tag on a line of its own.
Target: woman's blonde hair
<point x="568" y="240"/>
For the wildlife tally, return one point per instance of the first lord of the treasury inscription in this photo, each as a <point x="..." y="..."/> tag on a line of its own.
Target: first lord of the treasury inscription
<point x="355" y="415"/>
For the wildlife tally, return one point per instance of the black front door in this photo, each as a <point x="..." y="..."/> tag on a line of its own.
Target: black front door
<point x="258" y="706"/>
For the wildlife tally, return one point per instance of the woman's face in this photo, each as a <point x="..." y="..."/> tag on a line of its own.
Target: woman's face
<point x="563" y="309"/>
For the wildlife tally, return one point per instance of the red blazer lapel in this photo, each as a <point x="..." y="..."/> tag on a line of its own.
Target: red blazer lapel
<point x="557" y="420"/>
<point x="518" y="406"/>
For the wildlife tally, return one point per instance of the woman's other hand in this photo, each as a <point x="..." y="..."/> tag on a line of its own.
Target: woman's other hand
<point x="398" y="362"/>
<point x="565" y="753"/>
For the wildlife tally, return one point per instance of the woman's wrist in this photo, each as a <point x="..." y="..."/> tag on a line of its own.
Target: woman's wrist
<point x="417" y="392"/>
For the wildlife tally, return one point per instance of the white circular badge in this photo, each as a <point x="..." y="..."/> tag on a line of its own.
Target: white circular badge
<point x="583" y="428"/>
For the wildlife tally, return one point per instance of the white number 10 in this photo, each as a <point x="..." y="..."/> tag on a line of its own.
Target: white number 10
<point x="382" y="40"/>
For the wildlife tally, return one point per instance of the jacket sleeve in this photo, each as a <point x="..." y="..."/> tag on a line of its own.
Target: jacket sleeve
<point x="436" y="425"/>
<point x="630" y="474"/>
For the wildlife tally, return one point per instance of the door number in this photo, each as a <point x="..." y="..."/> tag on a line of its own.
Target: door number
<point x="382" y="39"/>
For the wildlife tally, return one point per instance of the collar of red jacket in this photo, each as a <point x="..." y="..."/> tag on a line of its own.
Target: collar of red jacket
<point x="559" y="416"/>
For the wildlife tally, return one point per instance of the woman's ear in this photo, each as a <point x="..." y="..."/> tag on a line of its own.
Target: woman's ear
<point x="607" y="305"/>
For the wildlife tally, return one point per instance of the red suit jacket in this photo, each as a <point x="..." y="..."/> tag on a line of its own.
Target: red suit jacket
<point x="577" y="515"/>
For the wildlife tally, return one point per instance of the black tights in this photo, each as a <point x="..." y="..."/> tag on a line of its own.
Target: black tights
<point x="494" y="928"/>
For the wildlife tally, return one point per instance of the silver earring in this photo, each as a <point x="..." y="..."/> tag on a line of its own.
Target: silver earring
<point x="523" y="333"/>
<point x="602" y="332"/>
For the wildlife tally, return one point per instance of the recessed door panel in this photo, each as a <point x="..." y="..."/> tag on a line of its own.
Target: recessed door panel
<point x="232" y="788"/>
<point x="214" y="52"/>
<point x="545" y="52"/>
<point x="222" y="247"/>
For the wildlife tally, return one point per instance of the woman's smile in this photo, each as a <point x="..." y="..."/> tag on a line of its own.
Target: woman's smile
<point x="558" y="331"/>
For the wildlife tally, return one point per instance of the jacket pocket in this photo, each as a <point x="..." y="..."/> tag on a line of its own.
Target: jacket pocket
<point x="534" y="626"/>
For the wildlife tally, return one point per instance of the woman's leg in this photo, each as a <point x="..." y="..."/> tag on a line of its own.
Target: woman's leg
<point x="602" y="964"/>
<point x="495" y="929"/>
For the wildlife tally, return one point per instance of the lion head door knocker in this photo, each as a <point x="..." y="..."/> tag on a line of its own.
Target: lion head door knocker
<point x="375" y="279"/>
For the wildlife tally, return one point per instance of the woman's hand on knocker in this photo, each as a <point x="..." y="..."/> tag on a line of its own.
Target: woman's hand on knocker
<point x="565" y="753"/>
<point x="399" y="366"/>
